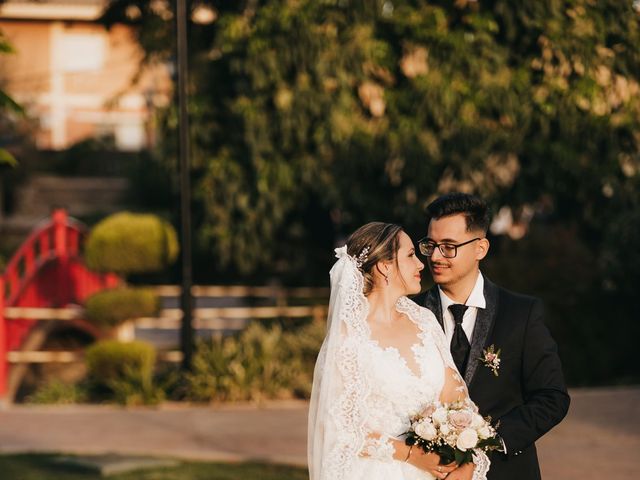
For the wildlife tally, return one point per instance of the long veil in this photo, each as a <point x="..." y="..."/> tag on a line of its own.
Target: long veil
<point x="337" y="407"/>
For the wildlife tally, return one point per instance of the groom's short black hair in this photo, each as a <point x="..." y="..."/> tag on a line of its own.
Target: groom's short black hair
<point x="474" y="209"/>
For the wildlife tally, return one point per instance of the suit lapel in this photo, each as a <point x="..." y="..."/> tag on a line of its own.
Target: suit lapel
<point x="483" y="327"/>
<point x="432" y="302"/>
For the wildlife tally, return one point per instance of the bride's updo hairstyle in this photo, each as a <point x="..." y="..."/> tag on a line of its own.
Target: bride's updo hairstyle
<point x="372" y="243"/>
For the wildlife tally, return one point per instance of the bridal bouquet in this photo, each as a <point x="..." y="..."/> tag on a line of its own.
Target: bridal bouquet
<point x="453" y="431"/>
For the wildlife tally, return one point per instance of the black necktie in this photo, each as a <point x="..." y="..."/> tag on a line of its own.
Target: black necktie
<point x="459" y="343"/>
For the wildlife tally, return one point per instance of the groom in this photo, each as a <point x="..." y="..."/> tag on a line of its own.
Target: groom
<point x="525" y="389"/>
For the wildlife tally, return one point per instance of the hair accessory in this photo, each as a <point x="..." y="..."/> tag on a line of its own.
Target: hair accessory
<point x="362" y="257"/>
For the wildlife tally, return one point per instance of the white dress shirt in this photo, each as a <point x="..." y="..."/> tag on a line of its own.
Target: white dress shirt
<point x="475" y="301"/>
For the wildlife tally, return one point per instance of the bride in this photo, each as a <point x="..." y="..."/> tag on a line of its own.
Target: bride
<point x="383" y="359"/>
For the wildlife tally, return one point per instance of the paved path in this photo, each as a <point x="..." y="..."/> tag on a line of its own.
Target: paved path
<point x="599" y="439"/>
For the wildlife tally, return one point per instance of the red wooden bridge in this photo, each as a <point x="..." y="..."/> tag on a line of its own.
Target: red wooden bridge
<point x="47" y="271"/>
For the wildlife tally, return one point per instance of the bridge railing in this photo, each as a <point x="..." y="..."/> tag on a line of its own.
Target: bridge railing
<point x="56" y="239"/>
<point x="59" y="237"/>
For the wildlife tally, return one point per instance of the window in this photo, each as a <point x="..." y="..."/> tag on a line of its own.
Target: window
<point x="83" y="52"/>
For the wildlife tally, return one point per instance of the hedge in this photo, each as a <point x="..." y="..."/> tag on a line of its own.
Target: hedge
<point x="110" y="308"/>
<point x="123" y="371"/>
<point x="131" y="243"/>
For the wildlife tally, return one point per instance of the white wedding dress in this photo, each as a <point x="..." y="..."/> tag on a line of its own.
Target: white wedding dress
<point x="363" y="394"/>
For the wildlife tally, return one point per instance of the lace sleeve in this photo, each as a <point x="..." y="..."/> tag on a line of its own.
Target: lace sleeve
<point x="379" y="448"/>
<point x="482" y="463"/>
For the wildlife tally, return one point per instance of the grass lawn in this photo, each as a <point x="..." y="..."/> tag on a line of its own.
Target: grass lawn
<point x="44" y="467"/>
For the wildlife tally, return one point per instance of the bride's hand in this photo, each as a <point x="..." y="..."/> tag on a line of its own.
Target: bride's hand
<point x="463" y="472"/>
<point x="430" y="462"/>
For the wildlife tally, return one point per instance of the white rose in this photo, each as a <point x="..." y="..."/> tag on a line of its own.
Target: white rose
<point x="426" y="430"/>
<point x="444" y="428"/>
<point x="484" y="432"/>
<point x="468" y="438"/>
<point x="478" y="421"/>
<point x="440" y="415"/>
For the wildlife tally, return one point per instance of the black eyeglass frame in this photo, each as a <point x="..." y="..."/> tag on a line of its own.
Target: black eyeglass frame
<point x="425" y="243"/>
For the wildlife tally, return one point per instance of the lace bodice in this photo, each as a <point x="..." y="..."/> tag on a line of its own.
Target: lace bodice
<point x="396" y="390"/>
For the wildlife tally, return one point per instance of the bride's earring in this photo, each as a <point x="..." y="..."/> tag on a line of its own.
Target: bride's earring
<point x="385" y="275"/>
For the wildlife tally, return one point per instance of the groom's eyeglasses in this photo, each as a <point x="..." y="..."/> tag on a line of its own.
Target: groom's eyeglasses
<point x="448" y="250"/>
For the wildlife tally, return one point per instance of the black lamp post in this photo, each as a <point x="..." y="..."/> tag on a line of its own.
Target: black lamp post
<point x="186" y="300"/>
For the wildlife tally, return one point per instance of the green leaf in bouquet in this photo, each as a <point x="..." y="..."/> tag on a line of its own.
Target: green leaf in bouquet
<point x="447" y="454"/>
<point x="463" y="457"/>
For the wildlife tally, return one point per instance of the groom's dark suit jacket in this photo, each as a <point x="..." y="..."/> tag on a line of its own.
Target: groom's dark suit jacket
<point x="529" y="395"/>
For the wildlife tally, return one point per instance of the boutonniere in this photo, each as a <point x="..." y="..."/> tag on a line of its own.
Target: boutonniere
<point x="491" y="358"/>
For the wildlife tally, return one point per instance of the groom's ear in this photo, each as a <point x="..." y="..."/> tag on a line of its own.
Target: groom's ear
<point x="482" y="248"/>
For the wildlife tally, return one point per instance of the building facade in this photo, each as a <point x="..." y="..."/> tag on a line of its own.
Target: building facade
<point x="78" y="79"/>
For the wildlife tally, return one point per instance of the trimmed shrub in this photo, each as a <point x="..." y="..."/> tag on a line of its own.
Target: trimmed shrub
<point x="131" y="243"/>
<point x="110" y="308"/>
<point x="123" y="372"/>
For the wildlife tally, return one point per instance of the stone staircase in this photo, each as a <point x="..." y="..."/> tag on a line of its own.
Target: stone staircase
<point x="81" y="196"/>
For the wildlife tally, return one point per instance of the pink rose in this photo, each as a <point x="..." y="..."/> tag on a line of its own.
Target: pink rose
<point x="460" y="419"/>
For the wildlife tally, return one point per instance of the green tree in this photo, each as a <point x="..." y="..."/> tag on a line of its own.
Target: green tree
<point x="366" y="109"/>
